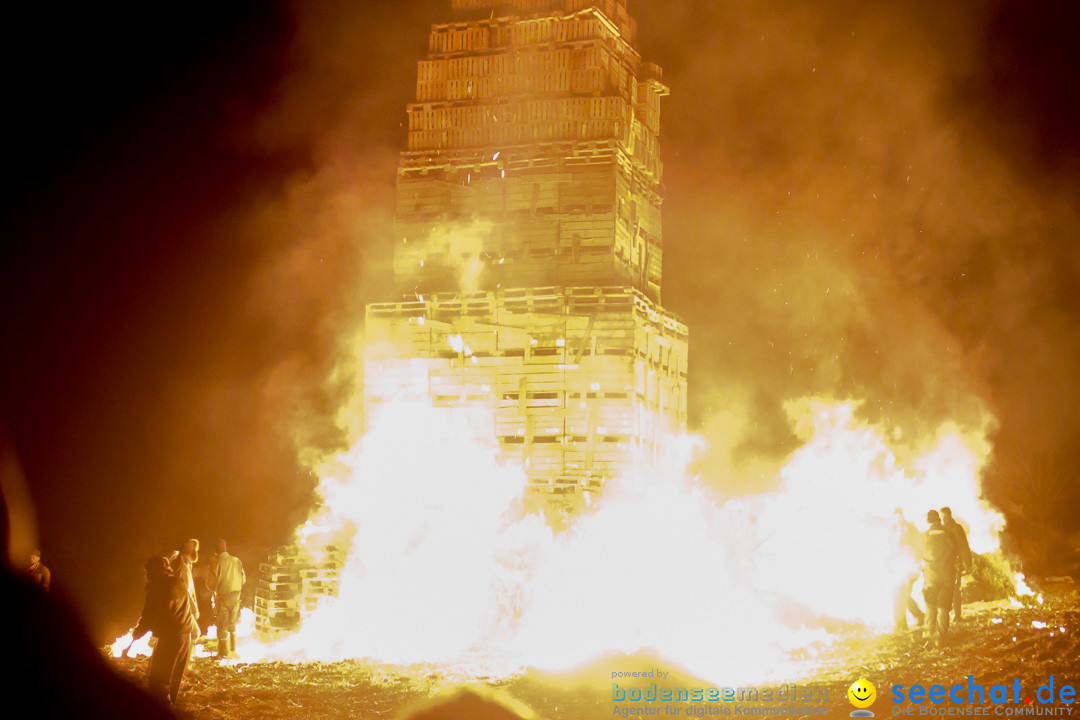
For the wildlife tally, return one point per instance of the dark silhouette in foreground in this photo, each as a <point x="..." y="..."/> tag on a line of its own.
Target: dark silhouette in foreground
<point x="474" y="703"/>
<point x="54" y="662"/>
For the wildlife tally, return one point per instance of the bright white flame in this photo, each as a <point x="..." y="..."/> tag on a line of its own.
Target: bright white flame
<point x="444" y="567"/>
<point x="1022" y="589"/>
<point x="459" y="345"/>
<point x="434" y="544"/>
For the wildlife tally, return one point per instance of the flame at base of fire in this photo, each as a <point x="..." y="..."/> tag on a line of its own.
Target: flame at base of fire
<point x="248" y="648"/>
<point x="446" y="569"/>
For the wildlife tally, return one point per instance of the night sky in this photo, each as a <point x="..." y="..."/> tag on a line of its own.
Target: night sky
<point x="866" y="200"/>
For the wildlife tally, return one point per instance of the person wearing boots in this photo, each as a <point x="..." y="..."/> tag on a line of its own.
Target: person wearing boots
<point x="225" y="579"/>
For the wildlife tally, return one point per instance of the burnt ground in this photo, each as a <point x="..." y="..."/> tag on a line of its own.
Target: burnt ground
<point x="996" y="643"/>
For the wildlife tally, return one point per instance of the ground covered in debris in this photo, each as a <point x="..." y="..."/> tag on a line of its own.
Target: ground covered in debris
<point x="996" y="643"/>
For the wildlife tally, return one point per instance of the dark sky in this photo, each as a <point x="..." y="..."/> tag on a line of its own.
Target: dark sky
<point x="864" y="199"/>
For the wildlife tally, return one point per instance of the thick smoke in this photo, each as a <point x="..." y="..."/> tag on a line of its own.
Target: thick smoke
<point x="855" y="207"/>
<point x="321" y="236"/>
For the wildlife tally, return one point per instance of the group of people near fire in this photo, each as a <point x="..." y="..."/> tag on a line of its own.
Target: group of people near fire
<point x="943" y="557"/>
<point x="171" y="608"/>
<point x="171" y="611"/>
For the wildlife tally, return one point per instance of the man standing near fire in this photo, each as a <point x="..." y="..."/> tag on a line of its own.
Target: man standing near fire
<point x="963" y="557"/>
<point x="38" y="572"/>
<point x="184" y="567"/>
<point x="907" y="572"/>
<point x="939" y="570"/>
<point x="225" y="579"/>
<point x="168" y="614"/>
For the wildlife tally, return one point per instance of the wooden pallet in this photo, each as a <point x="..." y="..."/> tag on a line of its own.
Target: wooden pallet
<point x="293" y="581"/>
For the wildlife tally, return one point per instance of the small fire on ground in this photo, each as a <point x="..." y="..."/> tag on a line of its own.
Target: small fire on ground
<point x="144" y="646"/>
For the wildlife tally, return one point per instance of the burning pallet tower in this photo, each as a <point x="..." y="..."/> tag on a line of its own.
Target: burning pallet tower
<point x="528" y="248"/>
<point x="529" y="244"/>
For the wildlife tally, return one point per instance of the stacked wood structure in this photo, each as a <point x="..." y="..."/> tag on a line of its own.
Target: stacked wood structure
<point x="528" y="252"/>
<point x="581" y="382"/>
<point x="293" y="580"/>
<point x="533" y="152"/>
<point x="529" y="241"/>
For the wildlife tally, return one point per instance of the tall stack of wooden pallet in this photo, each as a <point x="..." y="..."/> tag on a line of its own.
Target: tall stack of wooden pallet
<point x="529" y="242"/>
<point x="528" y="256"/>
<point x="580" y="382"/>
<point x="533" y="152"/>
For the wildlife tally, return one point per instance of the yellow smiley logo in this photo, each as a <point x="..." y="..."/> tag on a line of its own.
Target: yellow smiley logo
<point x="862" y="693"/>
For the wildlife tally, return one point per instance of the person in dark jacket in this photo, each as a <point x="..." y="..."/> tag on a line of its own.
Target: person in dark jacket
<point x="168" y="614"/>
<point x="939" y="567"/>
<point x="963" y="557"/>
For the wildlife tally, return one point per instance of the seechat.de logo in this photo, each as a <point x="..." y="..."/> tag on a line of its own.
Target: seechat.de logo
<point x="862" y="694"/>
